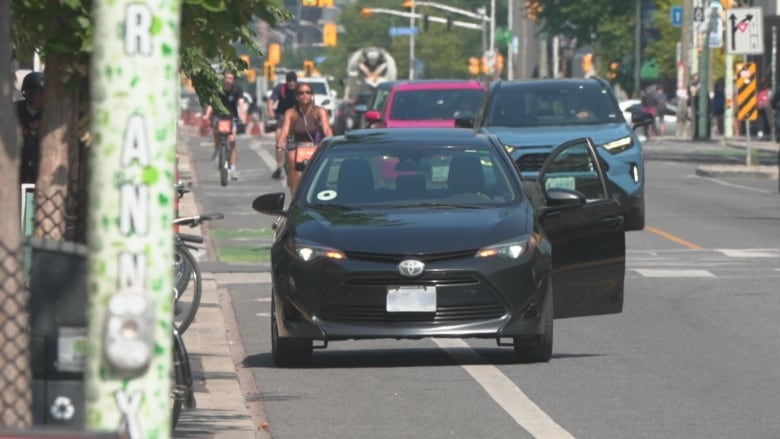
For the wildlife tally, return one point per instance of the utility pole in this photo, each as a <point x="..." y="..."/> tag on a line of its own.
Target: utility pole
<point x="135" y="92"/>
<point x="412" y="30"/>
<point x="703" y="125"/>
<point x="686" y="40"/>
<point x="637" y="48"/>
<point x="510" y="51"/>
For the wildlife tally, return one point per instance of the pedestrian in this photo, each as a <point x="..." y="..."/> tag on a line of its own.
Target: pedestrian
<point x="775" y="104"/>
<point x="763" y="97"/>
<point x="29" y="112"/>
<point x="660" y="105"/>
<point x="649" y="105"/>
<point x="718" y="105"/>
<point x="693" y="102"/>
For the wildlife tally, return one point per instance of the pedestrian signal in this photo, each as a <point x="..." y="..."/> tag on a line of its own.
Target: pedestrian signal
<point x="474" y="66"/>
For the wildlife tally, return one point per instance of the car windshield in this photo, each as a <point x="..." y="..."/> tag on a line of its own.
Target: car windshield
<point x="439" y="104"/>
<point x="396" y="176"/>
<point x="317" y="87"/>
<point x="548" y="106"/>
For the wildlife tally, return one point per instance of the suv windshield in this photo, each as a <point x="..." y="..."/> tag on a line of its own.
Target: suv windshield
<point x="441" y="104"/>
<point x="547" y="106"/>
<point x="318" y="88"/>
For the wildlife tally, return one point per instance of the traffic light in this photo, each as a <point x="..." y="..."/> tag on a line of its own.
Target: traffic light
<point x="251" y="75"/>
<point x="499" y="63"/>
<point x="330" y="34"/>
<point x="269" y="71"/>
<point x="308" y="68"/>
<point x="426" y="23"/>
<point x="309" y="3"/>
<point x="474" y="66"/>
<point x="325" y="3"/>
<point x="274" y="53"/>
<point x="533" y="8"/>
<point x="449" y="22"/>
<point x="612" y="71"/>
<point x="408" y="5"/>
<point x="245" y="58"/>
<point x="365" y="12"/>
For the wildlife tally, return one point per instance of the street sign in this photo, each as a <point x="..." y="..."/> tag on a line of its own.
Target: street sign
<point x="677" y="15"/>
<point x="747" y="106"/>
<point x="402" y="31"/>
<point x="744" y="31"/>
<point x="698" y="14"/>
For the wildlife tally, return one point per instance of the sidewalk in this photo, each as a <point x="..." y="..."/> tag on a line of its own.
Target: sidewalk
<point x="216" y="351"/>
<point x="711" y="165"/>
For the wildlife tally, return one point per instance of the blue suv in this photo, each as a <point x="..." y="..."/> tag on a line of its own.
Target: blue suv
<point x="531" y="117"/>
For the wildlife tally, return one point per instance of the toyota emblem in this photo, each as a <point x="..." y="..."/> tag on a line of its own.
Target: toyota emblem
<point x="411" y="267"/>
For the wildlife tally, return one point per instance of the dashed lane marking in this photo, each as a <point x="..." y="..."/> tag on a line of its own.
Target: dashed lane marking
<point x="505" y="392"/>
<point x="750" y="253"/>
<point x="650" y="272"/>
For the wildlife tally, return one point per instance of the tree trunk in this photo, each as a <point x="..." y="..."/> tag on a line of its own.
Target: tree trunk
<point x="58" y="133"/>
<point x="15" y="377"/>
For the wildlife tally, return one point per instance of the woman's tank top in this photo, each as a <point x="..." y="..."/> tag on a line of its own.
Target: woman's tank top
<point x="305" y="127"/>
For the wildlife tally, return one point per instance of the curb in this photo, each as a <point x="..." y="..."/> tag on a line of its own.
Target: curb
<point x="736" y="171"/>
<point x="213" y="344"/>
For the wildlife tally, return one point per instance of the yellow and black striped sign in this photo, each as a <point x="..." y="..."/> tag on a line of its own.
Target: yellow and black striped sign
<point x="747" y="103"/>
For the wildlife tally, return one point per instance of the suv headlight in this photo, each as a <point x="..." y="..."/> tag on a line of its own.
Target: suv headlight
<point x="619" y="145"/>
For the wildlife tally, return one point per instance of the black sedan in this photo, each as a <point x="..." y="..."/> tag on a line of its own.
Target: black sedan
<point x="432" y="233"/>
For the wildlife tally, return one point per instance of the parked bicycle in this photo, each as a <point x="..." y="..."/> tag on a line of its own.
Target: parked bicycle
<point x="182" y="394"/>
<point x="188" y="283"/>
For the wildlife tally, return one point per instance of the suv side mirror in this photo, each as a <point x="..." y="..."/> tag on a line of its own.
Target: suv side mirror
<point x="372" y="116"/>
<point x="465" y="120"/>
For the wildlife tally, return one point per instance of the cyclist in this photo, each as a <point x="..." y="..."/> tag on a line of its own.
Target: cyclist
<point x="232" y="98"/>
<point x="305" y="124"/>
<point x="282" y="99"/>
<point x="29" y="113"/>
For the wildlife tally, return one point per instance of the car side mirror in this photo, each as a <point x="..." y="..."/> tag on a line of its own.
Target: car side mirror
<point x="270" y="204"/>
<point x="641" y="118"/>
<point x="372" y="116"/>
<point x="466" y="120"/>
<point x="561" y="197"/>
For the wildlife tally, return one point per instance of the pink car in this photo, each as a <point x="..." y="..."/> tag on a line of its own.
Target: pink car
<point x="425" y="103"/>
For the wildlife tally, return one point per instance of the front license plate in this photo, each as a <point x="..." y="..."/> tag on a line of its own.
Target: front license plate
<point x="411" y="299"/>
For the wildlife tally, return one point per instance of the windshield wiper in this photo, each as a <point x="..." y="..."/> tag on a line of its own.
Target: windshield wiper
<point x="333" y="206"/>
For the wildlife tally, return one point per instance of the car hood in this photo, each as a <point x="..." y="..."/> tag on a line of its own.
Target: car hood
<point x="426" y="123"/>
<point x="551" y="136"/>
<point x="411" y="231"/>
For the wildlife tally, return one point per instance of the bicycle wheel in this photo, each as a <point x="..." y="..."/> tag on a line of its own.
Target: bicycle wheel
<point x="182" y="271"/>
<point x="187" y="301"/>
<point x="178" y="385"/>
<point x="223" y="162"/>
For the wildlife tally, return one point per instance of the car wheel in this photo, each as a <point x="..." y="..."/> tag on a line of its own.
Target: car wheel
<point x="537" y="348"/>
<point x="287" y="352"/>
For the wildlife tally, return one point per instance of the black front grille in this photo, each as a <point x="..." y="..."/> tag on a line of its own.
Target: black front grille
<point x="363" y="300"/>
<point x="396" y="258"/>
<point x="531" y="162"/>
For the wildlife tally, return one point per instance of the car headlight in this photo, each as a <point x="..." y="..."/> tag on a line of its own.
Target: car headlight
<point x="308" y="251"/>
<point x="512" y="249"/>
<point x="619" y="145"/>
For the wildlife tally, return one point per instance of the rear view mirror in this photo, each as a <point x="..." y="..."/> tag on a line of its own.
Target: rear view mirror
<point x="372" y="116"/>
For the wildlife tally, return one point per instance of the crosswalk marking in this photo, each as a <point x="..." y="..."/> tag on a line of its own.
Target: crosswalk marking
<point x="751" y="253"/>
<point x="650" y="272"/>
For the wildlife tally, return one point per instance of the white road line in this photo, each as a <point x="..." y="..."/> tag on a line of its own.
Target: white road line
<point x="737" y="186"/>
<point x="749" y="253"/>
<point x="508" y="396"/>
<point x="648" y="272"/>
<point x="266" y="156"/>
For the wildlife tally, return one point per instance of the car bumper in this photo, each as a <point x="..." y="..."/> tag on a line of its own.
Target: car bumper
<point x="348" y="300"/>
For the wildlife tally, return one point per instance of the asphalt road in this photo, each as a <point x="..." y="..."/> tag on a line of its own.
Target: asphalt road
<point x="693" y="355"/>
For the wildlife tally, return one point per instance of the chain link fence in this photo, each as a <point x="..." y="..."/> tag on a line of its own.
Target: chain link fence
<point x="15" y="376"/>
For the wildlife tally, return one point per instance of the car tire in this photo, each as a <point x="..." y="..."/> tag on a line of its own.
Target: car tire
<point x="287" y="352"/>
<point x="537" y="348"/>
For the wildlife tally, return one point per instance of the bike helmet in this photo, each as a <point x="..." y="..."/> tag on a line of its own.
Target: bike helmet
<point x="33" y="82"/>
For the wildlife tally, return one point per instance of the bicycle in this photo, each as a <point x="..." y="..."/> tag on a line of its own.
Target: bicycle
<point x="224" y="127"/>
<point x="182" y="395"/>
<point x="188" y="283"/>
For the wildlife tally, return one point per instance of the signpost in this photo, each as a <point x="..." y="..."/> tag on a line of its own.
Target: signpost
<point x="744" y="31"/>
<point x="402" y="31"/>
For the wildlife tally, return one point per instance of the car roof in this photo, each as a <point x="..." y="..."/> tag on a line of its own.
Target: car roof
<point x="548" y="83"/>
<point x="415" y="137"/>
<point x="428" y="84"/>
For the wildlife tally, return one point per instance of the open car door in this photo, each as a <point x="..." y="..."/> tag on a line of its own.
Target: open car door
<point x="586" y="228"/>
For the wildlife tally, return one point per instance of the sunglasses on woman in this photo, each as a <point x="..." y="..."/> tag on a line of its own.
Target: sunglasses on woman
<point x="304" y="92"/>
